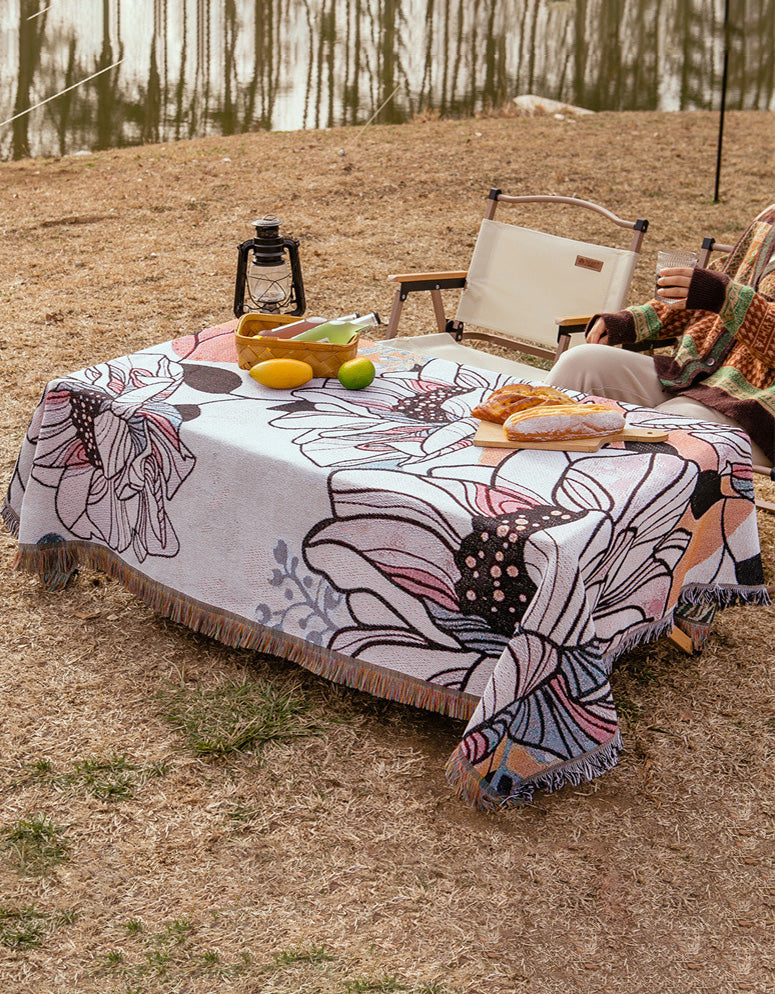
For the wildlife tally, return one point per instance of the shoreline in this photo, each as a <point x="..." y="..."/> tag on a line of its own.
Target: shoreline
<point x="545" y="109"/>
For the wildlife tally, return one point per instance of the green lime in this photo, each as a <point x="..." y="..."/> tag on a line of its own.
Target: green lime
<point x="355" y="374"/>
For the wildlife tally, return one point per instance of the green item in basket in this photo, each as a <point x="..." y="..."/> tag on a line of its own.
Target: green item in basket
<point x="340" y="331"/>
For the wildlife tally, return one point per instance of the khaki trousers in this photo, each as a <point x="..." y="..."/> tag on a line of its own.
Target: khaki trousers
<point x="630" y="376"/>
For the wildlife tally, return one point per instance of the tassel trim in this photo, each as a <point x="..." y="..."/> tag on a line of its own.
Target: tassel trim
<point x="700" y="593"/>
<point x="697" y="594"/>
<point x="650" y="632"/>
<point x="56" y="562"/>
<point x="471" y="787"/>
<point x="237" y="632"/>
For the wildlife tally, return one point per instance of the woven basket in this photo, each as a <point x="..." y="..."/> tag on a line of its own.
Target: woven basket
<point x="324" y="357"/>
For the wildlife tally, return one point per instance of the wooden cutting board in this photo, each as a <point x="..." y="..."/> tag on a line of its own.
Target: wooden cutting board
<point x="490" y="435"/>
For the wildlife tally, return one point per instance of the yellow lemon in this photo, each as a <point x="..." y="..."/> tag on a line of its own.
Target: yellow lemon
<point x="282" y="374"/>
<point x="355" y="374"/>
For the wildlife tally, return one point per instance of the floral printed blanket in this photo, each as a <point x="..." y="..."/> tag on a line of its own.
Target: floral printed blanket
<point x="361" y="534"/>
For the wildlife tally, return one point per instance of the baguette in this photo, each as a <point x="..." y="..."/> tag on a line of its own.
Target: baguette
<point x="563" y="422"/>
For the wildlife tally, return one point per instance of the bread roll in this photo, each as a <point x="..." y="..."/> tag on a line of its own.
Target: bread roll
<point x="564" y="422"/>
<point x="513" y="397"/>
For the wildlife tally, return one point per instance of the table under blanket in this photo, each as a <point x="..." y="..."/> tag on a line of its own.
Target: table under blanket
<point x="363" y="535"/>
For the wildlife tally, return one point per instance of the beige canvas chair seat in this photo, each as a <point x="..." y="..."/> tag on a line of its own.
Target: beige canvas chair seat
<point x="525" y="290"/>
<point x="443" y="346"/>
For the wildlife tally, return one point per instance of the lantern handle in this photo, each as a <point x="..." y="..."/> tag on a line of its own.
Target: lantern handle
<point x="239" y="288"/>
<point x="292" y="245"/>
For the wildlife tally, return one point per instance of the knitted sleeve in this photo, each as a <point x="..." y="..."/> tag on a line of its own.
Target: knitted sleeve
<point x="749" y="314"/>
<point x="643" y="322"/>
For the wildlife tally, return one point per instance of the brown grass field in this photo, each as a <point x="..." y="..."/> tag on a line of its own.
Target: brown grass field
<point x="141" y="848"/>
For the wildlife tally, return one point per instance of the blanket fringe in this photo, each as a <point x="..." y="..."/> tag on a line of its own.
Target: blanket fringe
<point x="712" y="595"/>
<point x="640" y="636"/>
<point x="55" y="563"/>
<point x="724" y="596"/>
<point x="60" y="559"/>
<point x="471" y="787"/>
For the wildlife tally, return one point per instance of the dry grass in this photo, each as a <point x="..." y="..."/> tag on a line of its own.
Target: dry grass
<point x="339" y="862"/>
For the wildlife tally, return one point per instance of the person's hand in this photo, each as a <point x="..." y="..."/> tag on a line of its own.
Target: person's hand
<point x="673" y="285"/>
<point x="597" y="334"/>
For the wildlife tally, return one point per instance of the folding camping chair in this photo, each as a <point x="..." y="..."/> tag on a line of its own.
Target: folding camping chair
<point x="525" y="290"/>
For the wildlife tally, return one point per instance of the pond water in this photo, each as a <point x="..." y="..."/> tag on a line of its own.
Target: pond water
<point x="134" y="71"/>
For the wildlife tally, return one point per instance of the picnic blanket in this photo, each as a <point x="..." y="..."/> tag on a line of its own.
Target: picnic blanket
<point x="361" y="534"/>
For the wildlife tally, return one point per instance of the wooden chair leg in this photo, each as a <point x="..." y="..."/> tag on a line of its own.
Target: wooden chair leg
<point x="395" y="315"/>
<point x="438" y="310"/>
<point x="682" y="640"/>
<point x="767" y="472"/>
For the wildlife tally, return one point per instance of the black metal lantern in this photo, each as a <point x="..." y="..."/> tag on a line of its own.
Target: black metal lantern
<point x="264" y="281"/>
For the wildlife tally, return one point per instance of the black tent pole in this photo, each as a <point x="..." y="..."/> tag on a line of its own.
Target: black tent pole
<point x="723" y="99"/>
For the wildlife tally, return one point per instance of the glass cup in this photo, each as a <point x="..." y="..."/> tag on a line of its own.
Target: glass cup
<point x="669" y="260"/>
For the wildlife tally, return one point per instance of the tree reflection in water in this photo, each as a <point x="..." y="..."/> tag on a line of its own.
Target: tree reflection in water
<point x="200" y="68"/>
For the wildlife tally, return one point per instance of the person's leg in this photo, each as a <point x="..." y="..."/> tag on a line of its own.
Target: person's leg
<point x="630" y="376"/>
<point x="608" y="372"/>
<point x="690" y="408"/>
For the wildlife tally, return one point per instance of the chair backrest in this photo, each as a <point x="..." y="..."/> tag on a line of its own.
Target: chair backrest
<point x="521" y="280"/>
<point x="709" y="246"/>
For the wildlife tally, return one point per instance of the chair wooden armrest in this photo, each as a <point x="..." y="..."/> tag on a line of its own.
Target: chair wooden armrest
<point x="568" y="326"/>
<point x="456" y="274"/>
<point x="572" y="325"/>
<point x="573" y="320"/>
